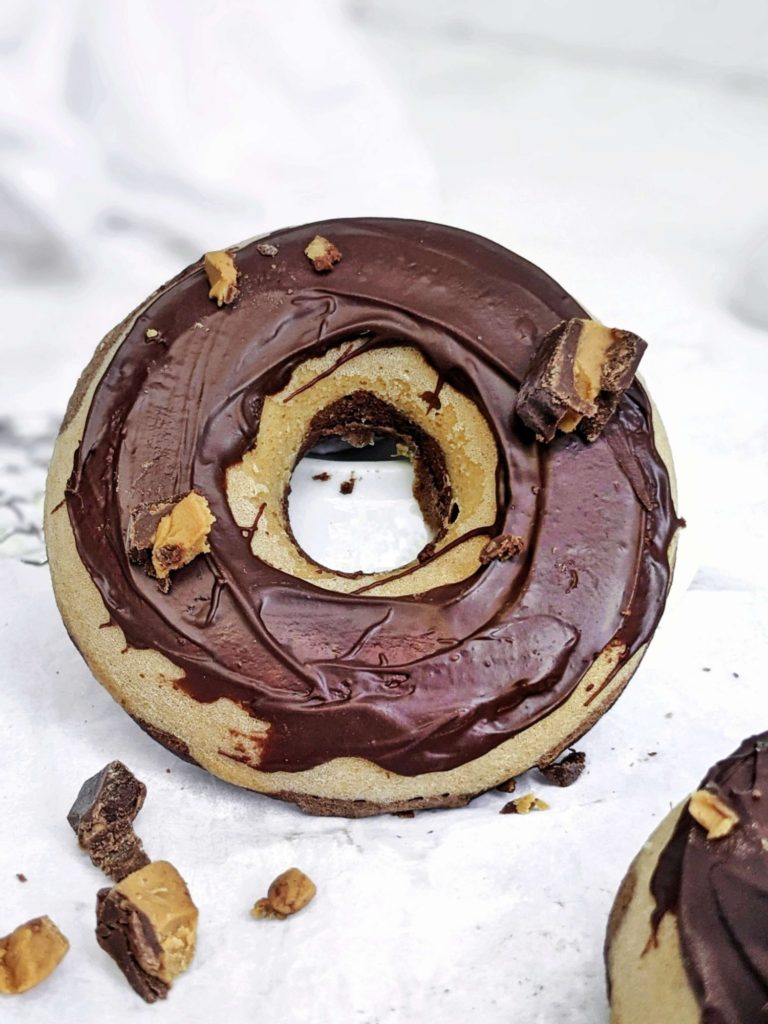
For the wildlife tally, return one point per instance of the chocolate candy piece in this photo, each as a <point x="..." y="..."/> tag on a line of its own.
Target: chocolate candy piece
<point x="577" y="377"/>
<point x="102" y="818"/>
<point x="148" y="925"/>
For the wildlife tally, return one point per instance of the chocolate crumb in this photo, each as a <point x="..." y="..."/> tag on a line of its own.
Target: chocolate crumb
<point x="567" y="771"/>
<point x="349" y="485"/>
<point x="267" y="249"/>
<point x="509" y="808"/>
<point x="502" y="548"/>
<point x="21" y="876"/>
<point x="322" y="476"/>
<point x="507" y="787"/>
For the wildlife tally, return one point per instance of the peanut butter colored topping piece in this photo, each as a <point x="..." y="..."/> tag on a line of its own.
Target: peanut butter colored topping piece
<point x="182" y="535"/>
<point x="288" y="894"/>
<point x="577" y="377"/>
<point x="222" y="277"/>
<point x="29" y="954"/>
<point x="712" y="813"/>
<point x="148" y="925"/>
<point x="322" y="253"/>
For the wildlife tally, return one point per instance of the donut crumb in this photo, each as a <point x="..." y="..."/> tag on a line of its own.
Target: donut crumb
<point x="566" y="771"/>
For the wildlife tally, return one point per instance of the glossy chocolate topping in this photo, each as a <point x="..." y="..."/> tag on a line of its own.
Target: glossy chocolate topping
<point x="415" y="684"/>
<point x="718" y="888"/>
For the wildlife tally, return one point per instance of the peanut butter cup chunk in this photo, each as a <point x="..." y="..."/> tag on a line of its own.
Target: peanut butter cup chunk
<point x="545" y="572"/>
<point x="577" y="377"/>
<point x="322" y="253"/>
<point x="147" y="923"/>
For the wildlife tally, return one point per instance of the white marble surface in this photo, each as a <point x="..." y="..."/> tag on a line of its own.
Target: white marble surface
<point x="628" y="161"/>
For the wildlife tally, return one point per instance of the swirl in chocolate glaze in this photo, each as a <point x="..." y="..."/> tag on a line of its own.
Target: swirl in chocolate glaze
<point x="415" y="684"/>
<point x="718" y="890"/>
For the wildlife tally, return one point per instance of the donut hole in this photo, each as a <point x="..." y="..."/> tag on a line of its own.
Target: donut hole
<point x="370" y="491"/>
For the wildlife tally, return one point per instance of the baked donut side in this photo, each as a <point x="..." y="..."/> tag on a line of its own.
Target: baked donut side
<point x="224" y="737"/>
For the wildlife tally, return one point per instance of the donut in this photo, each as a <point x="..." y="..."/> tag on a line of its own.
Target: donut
<point x="687" y="934"/>
<point x="179" y="579"/>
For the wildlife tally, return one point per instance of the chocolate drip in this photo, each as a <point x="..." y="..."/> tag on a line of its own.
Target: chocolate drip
<point x="414" y="684"/>
<point x="718" y="890"/>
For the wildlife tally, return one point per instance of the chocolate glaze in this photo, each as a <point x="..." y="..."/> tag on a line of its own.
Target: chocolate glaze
<point x="415" y="684"/>
<point x="718" y="890"/>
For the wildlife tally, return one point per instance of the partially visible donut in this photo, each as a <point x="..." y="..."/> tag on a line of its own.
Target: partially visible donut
<point x="688" y="935"/>
<point x="355" y="694"/>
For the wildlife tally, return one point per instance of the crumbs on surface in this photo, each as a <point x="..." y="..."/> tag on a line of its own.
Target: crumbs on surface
<point x="289" y="893"/>
<point x="524" y="805"/>
<point x="566" y="771"/>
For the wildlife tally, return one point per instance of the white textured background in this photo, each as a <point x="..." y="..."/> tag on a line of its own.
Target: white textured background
<point x="622" y="147"/>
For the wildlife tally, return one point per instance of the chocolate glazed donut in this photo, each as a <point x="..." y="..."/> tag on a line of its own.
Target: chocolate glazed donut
<point x="348" y="693"/>
<point x="687" y="936"/>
